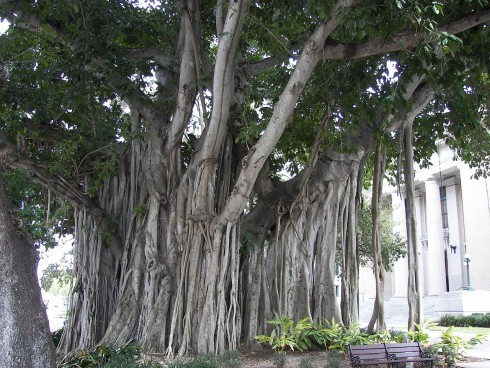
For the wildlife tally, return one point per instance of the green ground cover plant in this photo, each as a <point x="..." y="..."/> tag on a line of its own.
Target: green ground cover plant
<point x="229" y="359"/>
<point x="330" y="334"/>
<point x="453" y="347"/>
<point x="102" y="356"/>
<point x="287" y="335"/>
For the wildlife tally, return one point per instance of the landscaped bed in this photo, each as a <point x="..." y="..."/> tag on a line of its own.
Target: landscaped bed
<point x="307" y="359"/>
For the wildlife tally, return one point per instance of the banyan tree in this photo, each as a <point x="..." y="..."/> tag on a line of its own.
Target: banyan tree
<point x="212" y="154"/>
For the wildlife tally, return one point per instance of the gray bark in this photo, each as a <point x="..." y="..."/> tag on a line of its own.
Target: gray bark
<point x="415" y="311"/>
<point x="379" y="271"/>
<point x="24" y="330"/>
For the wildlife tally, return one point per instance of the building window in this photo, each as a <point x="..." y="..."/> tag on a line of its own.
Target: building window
<point x="445" y="224"/>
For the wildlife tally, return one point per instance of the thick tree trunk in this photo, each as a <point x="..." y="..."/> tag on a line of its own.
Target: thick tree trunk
<point x="379" y="271"/>
<point x="414" y="295"/>
<point x="94" y="291"/>
<point x="300" y="271"/>
<point x="350" y="256"/>
<point x="24" y="330"/>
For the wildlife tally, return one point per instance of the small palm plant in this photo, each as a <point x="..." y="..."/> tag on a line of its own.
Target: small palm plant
<point x="287" y="335"/>
<point x="453" y="347"/>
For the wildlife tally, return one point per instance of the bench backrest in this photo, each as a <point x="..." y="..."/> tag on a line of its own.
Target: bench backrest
<point x="374" y="352"/>
<point x="405" y="350"/>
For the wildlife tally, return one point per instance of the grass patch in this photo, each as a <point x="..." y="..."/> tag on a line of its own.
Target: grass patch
<point x="471" y="330"/>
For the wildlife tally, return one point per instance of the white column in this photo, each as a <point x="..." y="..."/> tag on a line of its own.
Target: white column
<point x="400" y="269"/>
<point x="455" y="239"/>
<point x="435" y="261"/>
<point x="421" y="253"/>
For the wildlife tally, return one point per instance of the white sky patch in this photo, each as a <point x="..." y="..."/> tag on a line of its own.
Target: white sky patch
<point x="392" y="70"/>
<point x="390" y="77"/>
<point x="151" y="86"/>
<point x="148" y="4"/>
<point x="4" y="25"/>
<point x="56" y="254"/>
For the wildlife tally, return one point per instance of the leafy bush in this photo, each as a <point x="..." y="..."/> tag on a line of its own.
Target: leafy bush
<point x="56" y="336"/>
<point x="397" y="336"/>
<point x="453" y="347"/>
<point x="327" y="333"/>
<point x="349" y="336"/>
<point x="331" y="335"/>
<point x="420" y="333"/>
<point x="103" y="356"/>
<point x="288" y="336"/>
<point x="391" y="336"/>
<point x="473" y="320"/>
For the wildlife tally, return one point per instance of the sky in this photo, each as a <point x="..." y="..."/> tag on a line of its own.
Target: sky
<point x="3" y="26"/>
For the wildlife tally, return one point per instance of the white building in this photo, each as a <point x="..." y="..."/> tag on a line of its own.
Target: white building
<point x="453" y="221"/>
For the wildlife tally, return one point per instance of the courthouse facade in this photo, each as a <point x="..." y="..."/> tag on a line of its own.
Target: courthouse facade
<point x="453" y="224"/>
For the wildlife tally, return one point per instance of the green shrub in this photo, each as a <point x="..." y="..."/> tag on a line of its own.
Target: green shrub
<point x="332" y="335"/>
<point x="326" y="333"/>
<point x="453" y="347"/>
<point x="473" y="320"/>
<point x="56" y="336"/>
<point x="388" y="336"/>
<point x="397" y="336"/>
<point x="104" y="356"/>
<point x="420" y="333"/>
<point x="286" y="335"/>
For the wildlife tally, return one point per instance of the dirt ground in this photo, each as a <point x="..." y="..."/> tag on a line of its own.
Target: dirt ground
<point x="308" y="359"/>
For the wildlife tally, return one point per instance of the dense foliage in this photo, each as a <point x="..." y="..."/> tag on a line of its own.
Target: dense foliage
<point x="472" y="320"/>
<point x="393" y="245"/>
<point x="126" y="356"/>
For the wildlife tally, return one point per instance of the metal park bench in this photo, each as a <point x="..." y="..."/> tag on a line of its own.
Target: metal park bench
<point x="391" y="355"/>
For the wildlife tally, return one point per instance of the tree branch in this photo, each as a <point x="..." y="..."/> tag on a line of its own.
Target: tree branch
<point x="149" y="53"/>
<point x="419" y="94"/>
<point x="259" y="67"/>
<point x="9" y="157"/>
<point x="283" y="110"/>
<point x="402" y="41"/>
<point x="139" y="101"/>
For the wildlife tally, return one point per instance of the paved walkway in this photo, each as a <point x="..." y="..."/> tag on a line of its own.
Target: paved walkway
<point x="396" y="310"/>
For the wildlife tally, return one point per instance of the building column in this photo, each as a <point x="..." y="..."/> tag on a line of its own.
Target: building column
<point x="435" y="239"/>
<point x="421" y="248"/>
<point x="456" y="248"/>
<point x="400" y="270"/>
